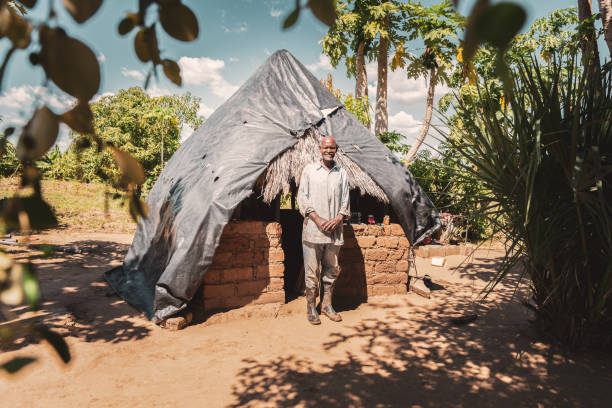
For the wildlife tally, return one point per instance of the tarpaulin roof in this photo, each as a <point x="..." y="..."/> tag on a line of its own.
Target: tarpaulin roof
<point x="215" y="169"/>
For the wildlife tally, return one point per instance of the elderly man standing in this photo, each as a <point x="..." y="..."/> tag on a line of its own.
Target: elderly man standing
<point x="323" y="198"/>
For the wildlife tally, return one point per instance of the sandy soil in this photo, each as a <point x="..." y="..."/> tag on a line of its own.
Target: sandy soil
<point x="397" y="351"/>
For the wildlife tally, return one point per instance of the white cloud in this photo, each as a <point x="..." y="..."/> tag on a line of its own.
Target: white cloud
<point x="205" y="110"/>
<point x="155" y="91"/>
<point x="322" y="65"/>
<point x="97" y="97"/>
<point x="267" y="52"/>
<point x="27" y="96"/>
<point x="405" y="124"/>
<point x="236" y="28"/>
<point x="400" y="88"/>
<point x="206" y="71"/>
<point x="275" y="13"/>
<point x="101" y="57"/>
<point x="233" y="59"/>
<point x="139" y="75"/>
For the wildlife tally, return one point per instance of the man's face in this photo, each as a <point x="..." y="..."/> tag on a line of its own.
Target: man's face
<point x="328" y="148"/>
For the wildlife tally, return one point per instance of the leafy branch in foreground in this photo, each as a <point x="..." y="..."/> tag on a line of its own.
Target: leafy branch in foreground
<point x="545" y="156"/>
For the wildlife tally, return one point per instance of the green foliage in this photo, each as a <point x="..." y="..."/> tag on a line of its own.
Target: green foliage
<point x="134" y="122"/>
<point x="9" y="163"/>
<point x="394" y="142"/>
<point x="546" y="163"/>
<point x="451" y="189"/>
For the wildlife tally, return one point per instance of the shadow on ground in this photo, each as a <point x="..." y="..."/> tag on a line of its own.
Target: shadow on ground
<point x="76" y="300"/>
<point x="425" y="360"/>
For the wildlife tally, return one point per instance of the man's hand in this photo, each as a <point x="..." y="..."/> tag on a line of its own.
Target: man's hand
<point x="320" y="221"/>
<point x="331" y="225"/>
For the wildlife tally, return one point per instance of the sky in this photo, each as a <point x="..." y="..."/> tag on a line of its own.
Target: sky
<point x="236" y="37"/>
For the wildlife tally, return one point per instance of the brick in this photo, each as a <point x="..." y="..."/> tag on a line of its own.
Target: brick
<point x="360" y="229"/>
<point x="369" y="267"/>
<point x="395" y="254"/>
<point x="238" y="301"/>
<point x="387" y="242"/>
<point x="237" y="274"/>
<point x="375" y="230"/>
<point x="375" y="279"/>
<point x="214" y="304"/>
<point x="222" y="258"/>
<point x="234" y="244"/>
<point x="276" y="255"/>
<point x="276" y="270"/>
<point x="397" y="278"/>
<point x="366" y="241"/>
<point x="213" y="276"/>
<point x="403" y="242"/>
<point x="402" y="266"/>
<point x="387" y="230"/>
<point x="275" y="284"/>
<point x="244" y="258"/>
<point x="407" y="255"/>
<point x="261" y="241"/>
<point x="400" y="289"/>
<point x="384" y="267"/>
<point x="251" y="288"/>
<point x="381" y="290"/>
<point x="270" y="297"/>
<point x="219" y="291"/>
<point x="397" y="230"/>
<point x="259" y="257"/>
<point x="350" y="242"/>
<point x="273" y="229"/>
<point x="376" y="254"/>
<point x="252" y="227"/>
<point x="350" y="255"/>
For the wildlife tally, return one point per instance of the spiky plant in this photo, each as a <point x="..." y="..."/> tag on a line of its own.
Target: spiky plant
<point x="544" y="153"/>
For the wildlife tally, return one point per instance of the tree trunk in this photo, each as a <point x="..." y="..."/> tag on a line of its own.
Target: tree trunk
<point x="426" y="122"/>
<point x="590" y="44"/>
<point x="382" y="114"/>
<point x="361" y="85"/>
<point x="605" y="8"/>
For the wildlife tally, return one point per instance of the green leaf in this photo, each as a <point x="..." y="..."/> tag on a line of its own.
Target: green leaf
<point x="291" y="19"/>
<point x="179" y="21"/>
<point x="172" y="71"/>
<point x="145" y="45"/>
<point x="55" y="340"/>
<point x="17" y="364"/>
<point x="69" y="63"/>
<point x="129" y="166"/>
<point x="38" y="135"/>
<point x="138" y="208"/>
<point x="126" y="25"/>
<point x="82" y="10"/>
<point x="499" y="23"/>
<point x="324" y="10"/>
<point x="31" y="288"/>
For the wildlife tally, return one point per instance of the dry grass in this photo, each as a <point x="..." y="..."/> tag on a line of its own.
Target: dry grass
<point x="79" y="206"/>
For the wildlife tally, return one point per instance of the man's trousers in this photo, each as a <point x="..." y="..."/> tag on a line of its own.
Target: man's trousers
<point x="320" y="259"/>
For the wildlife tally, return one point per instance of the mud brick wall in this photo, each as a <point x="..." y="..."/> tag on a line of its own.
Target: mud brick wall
<point x="247" y="267"/>
<point x="374" y="261"/>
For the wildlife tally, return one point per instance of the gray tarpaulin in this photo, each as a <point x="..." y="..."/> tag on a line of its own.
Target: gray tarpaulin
<point x="215" y="169"/>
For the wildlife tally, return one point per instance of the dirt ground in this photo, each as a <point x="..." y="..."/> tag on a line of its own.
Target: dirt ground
<point x="397" y="351"/>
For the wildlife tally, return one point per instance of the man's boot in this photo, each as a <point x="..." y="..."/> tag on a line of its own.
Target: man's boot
<point x="311" y="307"/>
<point x="326" y="305"/>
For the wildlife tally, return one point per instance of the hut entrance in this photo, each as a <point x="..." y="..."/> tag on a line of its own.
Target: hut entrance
<point x="279" y="182"/>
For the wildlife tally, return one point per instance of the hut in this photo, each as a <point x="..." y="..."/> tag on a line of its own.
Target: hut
<point x="200" y="235"/>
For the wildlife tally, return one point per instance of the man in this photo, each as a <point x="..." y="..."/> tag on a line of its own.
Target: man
<point x="323" y="198"/>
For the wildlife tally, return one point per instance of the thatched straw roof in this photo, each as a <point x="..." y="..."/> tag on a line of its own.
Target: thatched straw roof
<point x="288" y="166"/>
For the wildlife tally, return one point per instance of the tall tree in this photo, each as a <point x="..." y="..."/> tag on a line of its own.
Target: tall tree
<point x="438" y="26"/>
<point x="605" y="8"/>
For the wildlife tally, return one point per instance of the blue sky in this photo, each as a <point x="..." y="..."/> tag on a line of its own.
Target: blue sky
<point x="236" y="36"/>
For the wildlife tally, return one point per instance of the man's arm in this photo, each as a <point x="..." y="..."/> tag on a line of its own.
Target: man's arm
<point x="345" y="209"/>
<point x="303" y="198"/>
